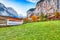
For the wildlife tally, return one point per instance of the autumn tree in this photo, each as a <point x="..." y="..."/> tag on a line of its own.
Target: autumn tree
<point x="34" y="18"/>
<point x="57" y="15"/>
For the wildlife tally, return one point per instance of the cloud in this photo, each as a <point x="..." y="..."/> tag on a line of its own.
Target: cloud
<point x="33" y="1"/>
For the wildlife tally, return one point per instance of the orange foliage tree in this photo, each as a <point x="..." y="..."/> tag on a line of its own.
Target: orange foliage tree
<point x="57" y="14"/>
<point x="34" y="18"/>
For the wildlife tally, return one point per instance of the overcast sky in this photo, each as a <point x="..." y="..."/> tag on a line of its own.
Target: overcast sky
<point x="21" y="6"/>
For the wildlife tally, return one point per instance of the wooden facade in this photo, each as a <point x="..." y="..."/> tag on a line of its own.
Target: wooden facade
<point x="3" y="21"/>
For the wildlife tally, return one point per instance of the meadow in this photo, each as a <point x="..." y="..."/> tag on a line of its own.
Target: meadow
<point x="49" y="30"/>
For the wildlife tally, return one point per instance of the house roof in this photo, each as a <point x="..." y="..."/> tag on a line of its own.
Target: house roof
<point x="11" y="18"/>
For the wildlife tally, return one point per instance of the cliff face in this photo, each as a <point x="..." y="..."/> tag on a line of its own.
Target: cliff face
<point x="47" y="6"/>
<point x="30" y="12"/>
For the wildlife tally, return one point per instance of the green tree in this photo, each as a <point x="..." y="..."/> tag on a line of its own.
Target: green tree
<point x="41" y="17"/>
<point x="45" y="17"/>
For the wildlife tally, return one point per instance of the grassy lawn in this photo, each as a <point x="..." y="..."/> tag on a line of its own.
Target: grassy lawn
<point x="49" y="30"/>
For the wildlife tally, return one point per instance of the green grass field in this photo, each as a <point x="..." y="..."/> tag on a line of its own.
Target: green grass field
<point x="49" y="30"/>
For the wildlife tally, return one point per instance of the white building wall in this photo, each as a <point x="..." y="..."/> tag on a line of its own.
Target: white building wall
<point x="14" y="22"/>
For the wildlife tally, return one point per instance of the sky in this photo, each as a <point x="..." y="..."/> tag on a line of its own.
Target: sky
<point x="21" y="6"/>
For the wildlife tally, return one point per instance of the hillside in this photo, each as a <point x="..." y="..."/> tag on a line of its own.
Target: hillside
<point x="49" y="30"/>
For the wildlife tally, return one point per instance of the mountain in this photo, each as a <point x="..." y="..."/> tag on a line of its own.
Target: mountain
<point x="30" y="12"/>
<point x="2" y="7"/>
<point x="12" y="12"/>
<point x="39" y="2"/>
<point x="7" y="11"/>
<point x="3" y="10"/>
